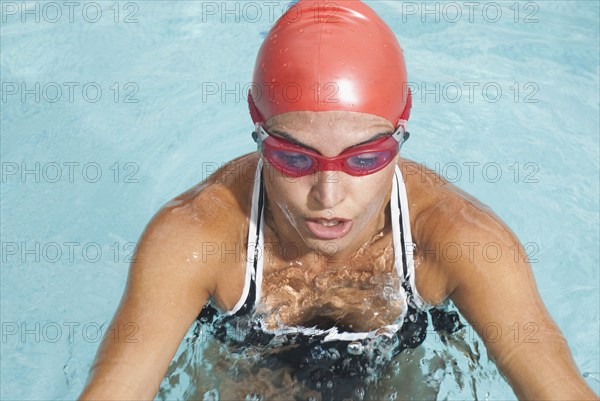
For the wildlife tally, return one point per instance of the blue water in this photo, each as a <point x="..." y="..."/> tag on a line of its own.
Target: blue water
<point x="83" y="172"/>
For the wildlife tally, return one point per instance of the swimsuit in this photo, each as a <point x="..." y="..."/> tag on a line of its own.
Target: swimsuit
<point x="318" y="355"/>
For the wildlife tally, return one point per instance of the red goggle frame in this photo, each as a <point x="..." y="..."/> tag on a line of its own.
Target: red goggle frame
<point x="296" y="161"/>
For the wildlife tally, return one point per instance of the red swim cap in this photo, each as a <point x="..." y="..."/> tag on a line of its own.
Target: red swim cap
<point x="330" y="55"/>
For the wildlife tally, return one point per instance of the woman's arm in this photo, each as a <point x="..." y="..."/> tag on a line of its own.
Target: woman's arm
<point x="166" y="289"/>
<point x="494" y="288"/>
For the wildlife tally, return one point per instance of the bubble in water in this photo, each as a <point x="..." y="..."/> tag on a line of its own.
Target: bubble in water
<point x="355" y="348"/>
<point x="330" y="384"/>
<point x="234" y="371"/>
<point x="334" y="354"/>
<point x="318" y="385"/>
<point x="393" y="396"/>
<point x="211" y="395"/>
<point x="360" y="393"/>
<point x="253" y="397"/>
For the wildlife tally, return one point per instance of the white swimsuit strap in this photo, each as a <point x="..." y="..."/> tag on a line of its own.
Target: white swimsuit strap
<point x="254" y="259"/>
<point x="402" y="237"/>
<point x="332" y="334"/>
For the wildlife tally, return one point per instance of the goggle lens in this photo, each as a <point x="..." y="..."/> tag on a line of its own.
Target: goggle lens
<point x="369" y="161"/>
<point x="289" y="162"/>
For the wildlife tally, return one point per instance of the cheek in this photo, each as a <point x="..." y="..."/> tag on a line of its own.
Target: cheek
<point x="371" y="194"/>
<point x="288" y="195"/>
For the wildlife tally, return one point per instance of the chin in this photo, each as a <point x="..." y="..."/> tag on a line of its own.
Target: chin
<point x="328" y="248"/>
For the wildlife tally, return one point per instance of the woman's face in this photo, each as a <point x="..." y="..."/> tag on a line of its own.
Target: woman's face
<point x="328" y="212"/>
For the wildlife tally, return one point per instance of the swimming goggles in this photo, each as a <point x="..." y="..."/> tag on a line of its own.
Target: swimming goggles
<point x="296" y="161"/>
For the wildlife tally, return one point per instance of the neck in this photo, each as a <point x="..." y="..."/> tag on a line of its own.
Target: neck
<point x="293" y="248"/>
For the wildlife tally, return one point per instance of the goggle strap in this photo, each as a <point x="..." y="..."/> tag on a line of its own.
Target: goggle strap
<point x="401" y="134"/>
<point x="260" y="135"/>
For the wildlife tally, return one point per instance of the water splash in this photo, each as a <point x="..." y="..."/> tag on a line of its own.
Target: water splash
<point x="592" y="376"/>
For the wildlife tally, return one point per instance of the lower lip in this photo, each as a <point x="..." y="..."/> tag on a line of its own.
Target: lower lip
<point x="329" y="232"/>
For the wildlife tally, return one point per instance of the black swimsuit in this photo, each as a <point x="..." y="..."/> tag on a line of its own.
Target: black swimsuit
<point x="316" y="355"/>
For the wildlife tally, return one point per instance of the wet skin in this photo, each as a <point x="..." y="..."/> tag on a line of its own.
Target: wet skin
<point x="194" y="249"/>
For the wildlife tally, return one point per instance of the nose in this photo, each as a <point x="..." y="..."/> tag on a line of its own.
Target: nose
<point x="328" y="189"/>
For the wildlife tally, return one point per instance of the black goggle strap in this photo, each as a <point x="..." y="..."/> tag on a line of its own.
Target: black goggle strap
<point x="401" y="135"/>
<point x="259" y="135"/>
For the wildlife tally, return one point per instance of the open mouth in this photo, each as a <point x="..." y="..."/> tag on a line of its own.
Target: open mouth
<point x="329" y="228"/>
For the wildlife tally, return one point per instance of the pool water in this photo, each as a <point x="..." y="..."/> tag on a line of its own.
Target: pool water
<point x="110" y="110"/>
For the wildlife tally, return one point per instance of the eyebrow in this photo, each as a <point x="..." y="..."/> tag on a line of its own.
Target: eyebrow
<point x="288" y="137"/>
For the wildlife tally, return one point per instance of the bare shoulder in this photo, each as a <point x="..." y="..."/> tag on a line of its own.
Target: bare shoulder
<point x="188" y="226"/>
<point x="431" y="196"/>
<point x="468" y="254"/>
<point x="448" y="225"/>
<point x="169" y="281"/>
<point x="226" y="189"/>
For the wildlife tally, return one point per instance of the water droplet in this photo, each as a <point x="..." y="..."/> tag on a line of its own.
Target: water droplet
<point x="360" y="393"/>
<point x="592" y="375"/>
<point x="211" y="395"/>
<point x="355" y="348"/>
<point x="334" y="354"/>
<point x="284" y="65"/>
<point x="330" y="384"/>
<point x="301" y="30"/>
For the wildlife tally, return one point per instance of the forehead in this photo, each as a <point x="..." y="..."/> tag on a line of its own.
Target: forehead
<point x="332" y="119"/>
<point x="329" y="132"/>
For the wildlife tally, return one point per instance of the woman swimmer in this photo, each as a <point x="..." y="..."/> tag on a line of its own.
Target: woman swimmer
<point x="347" y="219"/>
